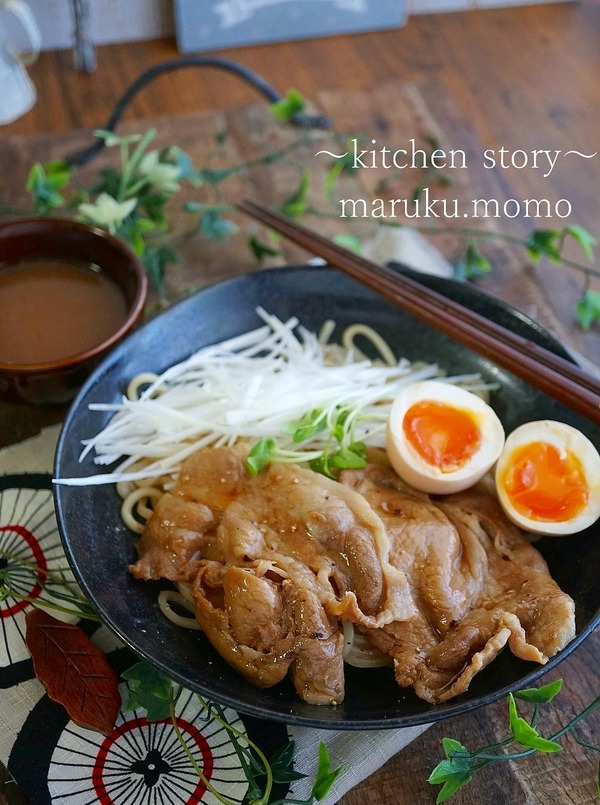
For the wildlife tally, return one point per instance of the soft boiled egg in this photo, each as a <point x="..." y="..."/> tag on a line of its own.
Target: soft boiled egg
<point x="548" y="478"/>
<point x="442" y="438"/>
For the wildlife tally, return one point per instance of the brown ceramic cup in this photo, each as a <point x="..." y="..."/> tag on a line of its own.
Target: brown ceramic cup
<point x="56" y="382"/>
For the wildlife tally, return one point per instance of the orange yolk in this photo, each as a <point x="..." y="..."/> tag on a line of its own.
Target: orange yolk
<point x="542" y="484"/>
<point x="442" y="435"/>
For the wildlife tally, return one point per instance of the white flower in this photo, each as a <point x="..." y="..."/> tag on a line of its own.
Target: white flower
<point x="162" y="175"/>
<point x="107" y="211"/>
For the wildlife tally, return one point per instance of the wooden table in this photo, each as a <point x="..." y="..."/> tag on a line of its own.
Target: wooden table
<point x="391" y="115"/>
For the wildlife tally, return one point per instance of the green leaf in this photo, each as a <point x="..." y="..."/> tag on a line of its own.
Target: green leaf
<point x="584" y="238"/>
<point x="450" y="745"/>
<point x="214" y="226"/>
<point x="449" y="769"/>
<point x="545" y="243"/>
<point x="325" y="775"/>
<point x="527" y="735"/>
<point x="350" y="242"/>
<point x="288" y="107"/>
<point x="282" y="765"/>
<point x="342" y="164"/>
<point x="110" y="182"/>
<point x="155" y="262"/>
<point x="454" y="772"/>
<point x="588" y="309"/>
<point x="260" y="249"/>
<point x="211" y="176"/>
<point x="149" y="690"/>
<point x="58" y="174"/>
<point x="296" y="205"/>
<point x="307" y="426"/>
<point x="348" y="458"/>
<point x="540" y="695"/>
<point x="321" y="465"/>
<point x="177" y="156"/>
<point x="221" y="136"/>
<point x="133" y="231"/>
<point x="260" y="455"/>
<point x="473" y="264"/>
<point x="453" y="785"/>
<point x="194" y="206"/>
<point x="44" y="182"/>
<point x="154" y="206"/>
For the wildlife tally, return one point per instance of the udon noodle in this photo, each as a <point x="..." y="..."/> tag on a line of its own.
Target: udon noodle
<point x="139" y="493"/>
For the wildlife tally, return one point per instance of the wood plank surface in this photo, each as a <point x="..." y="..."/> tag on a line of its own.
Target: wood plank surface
<point x="522" y="79"/>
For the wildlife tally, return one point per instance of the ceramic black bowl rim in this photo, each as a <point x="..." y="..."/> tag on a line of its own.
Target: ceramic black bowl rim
<point x="234" y="696"/>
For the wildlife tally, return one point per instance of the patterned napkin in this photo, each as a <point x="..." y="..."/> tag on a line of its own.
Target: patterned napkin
<point x="52" y="759"/>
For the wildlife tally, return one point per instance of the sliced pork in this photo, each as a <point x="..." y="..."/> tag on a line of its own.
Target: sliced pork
<point x="476" y="581"/>
<point x="277" y="562"/>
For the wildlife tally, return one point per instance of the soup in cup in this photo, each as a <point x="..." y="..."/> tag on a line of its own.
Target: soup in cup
<point x="69" y="292"/>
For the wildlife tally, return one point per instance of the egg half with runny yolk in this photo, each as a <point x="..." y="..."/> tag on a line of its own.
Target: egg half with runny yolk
<point x="442" y="438"/>
<point x="548" y="478"/>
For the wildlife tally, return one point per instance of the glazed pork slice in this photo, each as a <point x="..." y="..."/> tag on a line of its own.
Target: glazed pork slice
<point x="476" y="581"/>
<point x="311" y="552"/>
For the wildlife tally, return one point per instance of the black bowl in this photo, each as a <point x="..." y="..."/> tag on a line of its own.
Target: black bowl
<point x="100" y="548"/>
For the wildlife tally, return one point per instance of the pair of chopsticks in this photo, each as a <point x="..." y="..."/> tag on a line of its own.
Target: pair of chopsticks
<point x="559" y="378"/>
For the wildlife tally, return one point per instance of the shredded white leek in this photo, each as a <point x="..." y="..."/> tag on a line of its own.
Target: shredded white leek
<point x="248" y="387"/>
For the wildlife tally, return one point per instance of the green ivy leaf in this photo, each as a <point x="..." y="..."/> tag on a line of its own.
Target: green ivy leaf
<point x="584" y="238"/>
<point x="154" y="206"/>
<point x="214" y="226"/>
<point x="540" y="695"/>
<point x="221" y="136"/>
<point x="110" y="182"/>
<point x="527" y="735"/>
<point x="210" y="176"/>
<point x="44" y="182"/>
<point x="282" y="764"/>
<point x="296" y="205"/>
<point x="450" y="746"/>
<point x="326" y="777"/>
<point x="149" y="690"/>
<point x="339" y="166"/>
<point x="260" y="249"/>
<point x="288" y="107"/>
<point x="454" y="772"/>
<point x="544" y="243"/>
<point x="177" y="156"/>
<point x="448" y="770"/>
<point x="155" y="261"/>
<point x="588" y="309"/>
<point x="133" y="231"/>
<point x="472" y="265"/>
<point x="452" y="785"/>
<point x="350" y="242"/>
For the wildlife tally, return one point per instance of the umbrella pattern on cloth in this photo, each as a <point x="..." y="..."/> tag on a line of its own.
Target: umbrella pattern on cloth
<point x="144" y="762"/>
<point x="141" y="761"/>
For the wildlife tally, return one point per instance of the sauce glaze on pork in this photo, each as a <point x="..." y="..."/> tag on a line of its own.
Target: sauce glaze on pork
<point x="278" y="561"/>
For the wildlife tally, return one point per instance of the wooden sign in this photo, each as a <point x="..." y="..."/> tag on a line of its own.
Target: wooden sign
<point x="206" y="25"/>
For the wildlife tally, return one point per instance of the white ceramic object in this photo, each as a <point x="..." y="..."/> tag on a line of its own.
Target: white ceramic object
<point x="17" y="91"/>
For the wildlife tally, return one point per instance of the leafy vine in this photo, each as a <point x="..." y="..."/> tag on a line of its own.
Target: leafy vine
<point x="458" y="768"/>
<point x="131" y="201"/>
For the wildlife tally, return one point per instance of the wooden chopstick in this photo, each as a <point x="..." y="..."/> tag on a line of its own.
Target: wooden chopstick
<point x="559" y="378"/>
